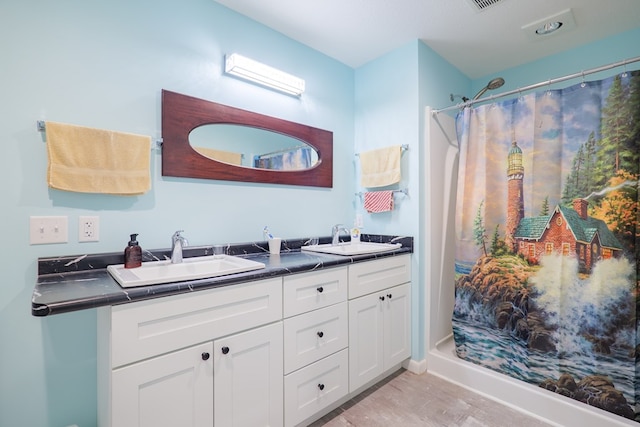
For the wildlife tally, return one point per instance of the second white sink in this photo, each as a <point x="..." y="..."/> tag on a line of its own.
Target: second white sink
<point x="348" y="248"/>
<point x="156" y="272"/>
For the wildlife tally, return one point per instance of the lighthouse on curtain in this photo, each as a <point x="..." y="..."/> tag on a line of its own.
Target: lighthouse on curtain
<point x="515" y="199"/>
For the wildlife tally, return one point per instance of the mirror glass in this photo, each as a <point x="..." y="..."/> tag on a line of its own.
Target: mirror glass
<point x="252" y="147"/>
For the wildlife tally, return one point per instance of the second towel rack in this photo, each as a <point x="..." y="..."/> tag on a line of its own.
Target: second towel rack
<point x="403" y="147"/>
<point x="404" y="191"/>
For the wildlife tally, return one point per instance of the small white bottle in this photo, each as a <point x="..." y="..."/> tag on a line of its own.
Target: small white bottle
<point x="355" y="235"/>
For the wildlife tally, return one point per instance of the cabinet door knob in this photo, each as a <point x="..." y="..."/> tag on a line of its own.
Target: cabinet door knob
<point x="389" y="296"/>
<point x="205" y="355"/>
<point x="320" y="334"/>
<point x="382" y="298"/>
<point x="225" y="350"/>
<point x="320" y="289"/>
<point x="321" y="386"/>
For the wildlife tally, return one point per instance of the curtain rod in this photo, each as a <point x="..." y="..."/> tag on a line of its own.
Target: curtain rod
<point x="541" y="84"/>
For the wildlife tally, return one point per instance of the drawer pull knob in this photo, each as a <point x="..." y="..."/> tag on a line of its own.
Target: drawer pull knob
<point x="321" y="386"/>
<point x="389" y="296"/>
<point x="320" y="289"/>
<point x="320" y="334"/>
<point x="382" y="298"/>
<point x="225" y="350"/>
<point x="205" y="355"/>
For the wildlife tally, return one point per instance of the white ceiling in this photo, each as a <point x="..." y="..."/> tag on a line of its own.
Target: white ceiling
<point x="478" y="43"/>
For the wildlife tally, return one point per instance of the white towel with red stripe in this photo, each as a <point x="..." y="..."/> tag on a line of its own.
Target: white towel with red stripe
<point x="378" y="201"/>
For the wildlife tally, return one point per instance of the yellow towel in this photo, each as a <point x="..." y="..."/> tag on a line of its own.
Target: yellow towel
<point x="221" y="156"/>
<point x="88" y="160"/>
<point x="380" y="167"/>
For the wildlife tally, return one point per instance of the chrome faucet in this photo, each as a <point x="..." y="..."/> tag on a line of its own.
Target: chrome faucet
<point x="335" y="233"/>
<point x="177" y="243"/>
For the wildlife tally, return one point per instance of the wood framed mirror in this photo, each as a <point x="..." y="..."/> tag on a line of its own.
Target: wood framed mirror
<point x="184" y="116"/>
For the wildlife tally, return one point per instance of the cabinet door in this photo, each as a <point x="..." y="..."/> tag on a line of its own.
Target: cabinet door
<point x="365" y="340"/>
<point x="248" y="378"/>
<point x="175" y="389"/>
<point x="397" y="325"/>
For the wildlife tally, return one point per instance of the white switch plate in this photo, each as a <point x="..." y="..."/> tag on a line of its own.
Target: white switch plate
<point x="88" y="228"/>
<point x="48" y="229"/>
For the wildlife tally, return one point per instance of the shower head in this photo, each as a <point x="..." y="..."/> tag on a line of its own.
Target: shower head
<point x="493" y="84"/>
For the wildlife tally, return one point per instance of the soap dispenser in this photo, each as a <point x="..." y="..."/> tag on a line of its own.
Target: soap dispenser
<point x="132" y="253"/>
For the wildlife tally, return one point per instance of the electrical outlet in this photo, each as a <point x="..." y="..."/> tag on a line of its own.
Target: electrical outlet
<point x="48" y="229"/>
<point x="88" y="228"/>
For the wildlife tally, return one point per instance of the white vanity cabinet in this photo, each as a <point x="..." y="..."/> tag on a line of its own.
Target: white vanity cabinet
<point x="379" y="318"/>
<point x="274" y="352"/>
<point x="157" y="359"/>
<point x="315" y="342"/>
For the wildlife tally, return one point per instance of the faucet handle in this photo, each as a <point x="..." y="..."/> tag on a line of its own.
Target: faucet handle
<point x="177" y="237"/>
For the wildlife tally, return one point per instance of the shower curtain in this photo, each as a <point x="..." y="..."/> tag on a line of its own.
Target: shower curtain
<point x="546" y="272"/>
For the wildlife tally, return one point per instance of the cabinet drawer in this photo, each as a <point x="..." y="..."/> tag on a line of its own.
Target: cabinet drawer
<point x="148" y="328"/>
<point x="373" y="276"/>
<point x="310" y="291"/>
<point x="315" y="387"/>
<point x="314" y="335"/>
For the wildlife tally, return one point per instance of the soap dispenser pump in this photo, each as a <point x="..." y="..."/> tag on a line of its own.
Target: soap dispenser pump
<point x="132" y="253"/>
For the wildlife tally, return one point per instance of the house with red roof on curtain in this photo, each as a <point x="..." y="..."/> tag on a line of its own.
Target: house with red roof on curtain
<point x="566" y="231"/>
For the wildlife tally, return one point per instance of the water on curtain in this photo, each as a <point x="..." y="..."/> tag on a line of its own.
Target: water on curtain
<point x="546" y="232"/>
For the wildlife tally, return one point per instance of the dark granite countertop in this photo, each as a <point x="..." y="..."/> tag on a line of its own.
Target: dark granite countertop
<point x="80" y="282"/>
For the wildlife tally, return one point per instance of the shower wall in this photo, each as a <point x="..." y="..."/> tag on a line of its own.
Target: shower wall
<point x="440" y="157"/>
<point x="441" y="161"/>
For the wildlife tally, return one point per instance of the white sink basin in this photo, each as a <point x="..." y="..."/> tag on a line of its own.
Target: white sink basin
<point x="155" y="272"/>
<point x="348" y="248"/>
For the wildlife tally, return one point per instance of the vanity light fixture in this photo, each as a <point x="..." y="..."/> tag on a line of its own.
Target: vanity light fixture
<point x="265" y="75"/>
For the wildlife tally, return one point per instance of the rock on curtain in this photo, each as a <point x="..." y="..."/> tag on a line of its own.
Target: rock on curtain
<point x="546" y="240"/>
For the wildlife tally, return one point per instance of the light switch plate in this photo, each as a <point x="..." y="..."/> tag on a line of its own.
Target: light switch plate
<point x="48" y="229"/>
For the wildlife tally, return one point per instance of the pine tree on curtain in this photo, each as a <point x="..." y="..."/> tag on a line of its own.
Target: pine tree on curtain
<point x="547" y="240"/>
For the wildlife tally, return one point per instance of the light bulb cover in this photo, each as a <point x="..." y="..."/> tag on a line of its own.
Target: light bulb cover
<point x="248" y="69"/>
<point x="548" y="28"/>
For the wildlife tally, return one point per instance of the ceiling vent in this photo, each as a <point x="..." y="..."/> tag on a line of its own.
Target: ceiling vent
<point x="480" y="5"/>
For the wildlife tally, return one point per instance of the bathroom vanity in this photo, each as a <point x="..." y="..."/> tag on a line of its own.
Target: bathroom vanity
<point x="279" y="346"/>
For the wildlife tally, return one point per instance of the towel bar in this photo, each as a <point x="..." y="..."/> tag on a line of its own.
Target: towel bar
<point x="404" y="148"/>
<point x="42" y="127"/>
<point x="404" y="191"/>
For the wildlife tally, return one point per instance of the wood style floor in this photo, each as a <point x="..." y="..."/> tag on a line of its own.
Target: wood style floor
<point x="406" y="399"/>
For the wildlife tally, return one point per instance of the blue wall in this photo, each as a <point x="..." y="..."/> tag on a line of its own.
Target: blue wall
<point x="103" y="65"/>
<point x="391" y="93"/>
<point x="613" y="49"/>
